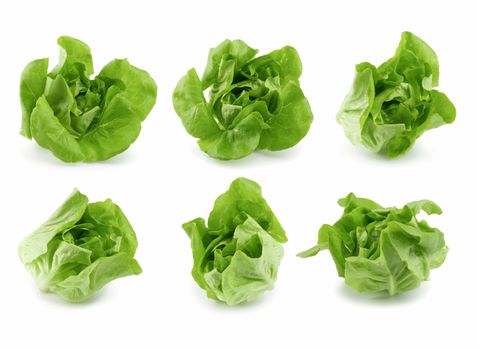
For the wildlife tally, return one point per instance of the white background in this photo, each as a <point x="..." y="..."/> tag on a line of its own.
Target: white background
<point x="164" y="180"/>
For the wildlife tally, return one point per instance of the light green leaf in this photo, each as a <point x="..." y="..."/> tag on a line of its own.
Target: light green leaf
<point x="49" y="133"/>
<point x="441" y="111"/>
<point x="237" y="142"/>
<point x="81" y="287"/>
<point x="423" y="51"/>
<point x="64" y="217"/>
<point x="191" y="106"/>
<point x="248" y="275"/>
<point x="357" y="105"/>
<point x="73" y="52"/>
<point x="61" y="101"/>
<point x="117" y="128"/>
<point x="284" y="62"/>
<point x="32" y="85"/>
<point x="237" y="50"/>
<point x="244" y="197"/>
<point x="80" y="248"/>
<point x="236" y="258"/>
<point x="380" y="249"/>
<point x="389" y="107"/>
<point x="291" y="122"/>
<point x="254" y="102"/>
<point x="83" y="119"/>
<point x="138" y="87"/>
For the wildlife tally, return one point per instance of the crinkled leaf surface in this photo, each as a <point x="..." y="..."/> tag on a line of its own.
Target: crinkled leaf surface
<point x="83" y="119"/>
<point x="254" y="102"/>
<point x="380" y="249"/>
<point x="237" y="255"/>
<point x="390" y="106"/>
<point x="80" y="248"/>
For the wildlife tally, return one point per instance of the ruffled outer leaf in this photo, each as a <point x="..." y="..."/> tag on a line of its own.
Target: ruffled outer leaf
<point x="79" y="119"/>
<point x="32" y="85"/>
<point x="243" y="196"/>
<point x="390" y="106"/>
<point x="80" y="248"/>
<point x="380" y="249"/>
<point x="254" y="102"/>
<point x="237" y="256"/>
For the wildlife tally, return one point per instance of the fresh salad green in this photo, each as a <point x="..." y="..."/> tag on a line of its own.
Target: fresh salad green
<point x="380" y="249"/>
<point x="390" y="106"/>
<point x="79" y="119"/>
<point x="254" y="102"/>
<point x="237" y="253"/>
<point x="80" y="248"/>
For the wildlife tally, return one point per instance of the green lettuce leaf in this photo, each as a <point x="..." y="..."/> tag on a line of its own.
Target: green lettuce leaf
<point x="380" y="249"/>
<point x="254" y="102"/>
<point x="390" y="106"/>
<point x="80" y="248"/>
<point x="237" y="256"/>
<point x="83" y="119"/>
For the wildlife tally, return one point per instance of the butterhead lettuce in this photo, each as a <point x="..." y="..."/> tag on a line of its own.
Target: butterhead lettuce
<point x="236" y="254"/>
<point x="379" y="249"/>
<point x="80" y="248"/>
<point x="390" y="106"/>
<point x="255" y="102"/>
<point x="83" y="119"/>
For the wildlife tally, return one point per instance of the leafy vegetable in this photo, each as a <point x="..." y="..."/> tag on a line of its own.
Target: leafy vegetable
<point x="254" y="102"/>
<point x="237" y="255"/>
<point x="79" y="119"/>
<point x="80" y="248"/>
<point x="389" y="107"/>
<point x="380" y="249"/>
